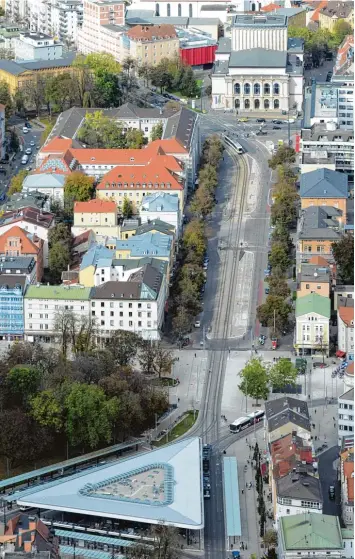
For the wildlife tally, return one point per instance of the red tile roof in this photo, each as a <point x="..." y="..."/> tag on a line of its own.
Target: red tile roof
<point x="95" y="206"/>
<point x="152" y="32"/>
<point x="315" y="15"/>
<point x="57" y="145"/>
<point x="286" y="452"/>
<point x="32" y="215"/>
<point x="270" y="8"/>
<point x="319" y="261"/>
<point x="347" y="315"/>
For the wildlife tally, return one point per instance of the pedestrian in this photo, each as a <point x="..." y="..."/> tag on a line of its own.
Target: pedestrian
<point x="242" y="491"/>
<point x="246" y="484"/>
<point x="315" y="411"/>
<point x="178" y="400"/>
<point x="246" y="547"/>
<point x="246" y="440"/>
<point x="195" y="354"/>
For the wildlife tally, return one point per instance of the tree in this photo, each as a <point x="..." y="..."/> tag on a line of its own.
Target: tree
<point x="135" y="138"/>
<point x="274" y="310"/>
<point x="194" y="239"/>
<point x="101" y="61"/>
<point x="89" y="415"/>
<point x="23" y="382"/>
<point x="127" y="208"/>
<point x="58" y="260"/>
<point x="278" y="285"/>
<point x="59" y="91"/>
<point x="66" y="325"/>
<point x="282" y="374"/>
<point x="78" y="187"/>
<point x="161" y="78"/>
<point x="340" y="30"/>
<point x="278" y="257"/>
<point x="83" y="80"/>
<point x="33" y="92"/>
<point x="270" y="538"/>
<point x="343" y="252"/>
<point x="47" y="410"/>
<point x="16" y="182"/>
<point x="285" y="155"/>
<point x="212" y="151"/>
<point x="59" y="233"/>
<point x="188" y="85"/>
<point x="254" y="380"/>
<point x="124" y="346"/>
<point x="208" y="176"/>
<point x="6" y="99"/>
<point x="147" y="356"/>
<point x="144" y="72"/>
<point x="182" y="321"/>
<point x="14" y="143"/>
<point x="157" y="132"/>
<point x="154" y="359"/>
<point x="203" y="202"/>
<point x="106" y="91"/>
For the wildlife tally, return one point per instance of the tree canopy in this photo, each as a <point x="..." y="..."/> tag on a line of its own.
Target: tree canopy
<point x="78" y="187"/>
<point x="343" y="252"/>
<point x="17" y="182"/>
<point x="283" y="373"/>
<point x="254" y="379"/>
<point x="284" y="155"/>
<point x="99" y="131"/>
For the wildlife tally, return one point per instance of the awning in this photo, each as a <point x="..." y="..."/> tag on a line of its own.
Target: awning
<point x="340" y="354"/>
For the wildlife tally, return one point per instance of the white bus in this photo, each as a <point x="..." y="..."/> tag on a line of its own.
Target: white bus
<point x="239" y="424"/>
<point x="256" y="416"/>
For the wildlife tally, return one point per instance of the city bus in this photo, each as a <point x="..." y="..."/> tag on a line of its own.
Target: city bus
<point x="245" y="422"/>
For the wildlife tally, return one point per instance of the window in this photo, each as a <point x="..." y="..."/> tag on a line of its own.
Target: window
<point x="266" y="89"/>
<point x="168" y="11"/>
<point x="102" y="304"/>
<point x="247" y="104"/>
<point x="276" y="104"/>
<point x="266" y="104"/>
<point x="276" y="89"/>
<point x="253" y="7"/>
<point x="190" y="10"/>
<point x="129" y="305"/>
<point x="157" y="10"/>
<point x="247" y="89"/>
<point x="257" y="88"/>
<point x="179" y="10"/>
<point x="237" y="103"/>
<point x="111" y="323"/>
<point x="130" y="323"/>
<point x="121" y="322"/>
<point x="257" y="104"/>
<point x="237" y="89"/>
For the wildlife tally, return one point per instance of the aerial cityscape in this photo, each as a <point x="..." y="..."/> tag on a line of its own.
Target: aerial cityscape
<point x="176" y="279"/>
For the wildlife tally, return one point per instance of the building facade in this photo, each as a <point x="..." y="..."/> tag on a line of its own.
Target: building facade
<point x="48" y="184"/>
<point x="162" y="206"/>
<point x="37" y="46"/>
<point x="16" y="242"/>
<point x="98" y="215"/>
<point x="12" y="290"/>
<point x="346" y="331"/>
<point x="333" y="12"/>
<point x="149" y="44"/>
<point x="324" y="187"/>
<point x="345" y="416"/>
<point x="347" y="484"/>
<point x="312" y="324"/>
<point x="2" y="132"/>
<point x="43" y="305"/>
<point x="66" y="20"/>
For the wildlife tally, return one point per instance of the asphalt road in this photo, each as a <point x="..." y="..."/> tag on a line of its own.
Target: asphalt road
<point x="328" y="476"/>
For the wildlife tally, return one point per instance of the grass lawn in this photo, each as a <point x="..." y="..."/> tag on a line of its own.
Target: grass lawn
<point x="180" y="429"/>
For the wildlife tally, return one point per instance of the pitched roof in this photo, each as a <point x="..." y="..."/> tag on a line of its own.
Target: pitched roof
<point x="156" y="225"/>
<point x="27" y="245"/>
<point x="148" y="244"/>
<point x="57" y="145"/>
<point x="60" y="292"/>
<point x="152" y="32"/>
<point x="288" y="453"/>
<point x="142" y="284"/>
<point x="289" y="416"/>
<point x="313" y="303"/>
<point x="96" y="206"/>
<point x="44" y="180"/>
<point x="339" y="10"/>
<point x="270" y="7"/>
<point x="278" y="406"/>
<point x="258" y="58"/>
<point x="310" y="531"/>
<point x="94" y="254"/>
<point x="347" y="315"/>
<point x="160" y="202"/>
<point x="314" y="274"/>
<point x="299" y="486"/>
<point x="32" y="215"/>
<point x="324" y="183"/>
<point x="320" y="5"/>
<point x="319" y="261"/>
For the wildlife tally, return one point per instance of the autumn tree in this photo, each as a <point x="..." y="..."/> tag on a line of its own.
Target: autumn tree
<point x="127" y="208"/>
<point x="343" y="252"/>
<point x="254" y="380"/>
<point x="278" y="257"/>
<point x="17" y="182"/>
<point x="78" y="187"/>
<point x="274" y="312"/>
<point x="124" y="346"/>
<point x="285" y="155"/>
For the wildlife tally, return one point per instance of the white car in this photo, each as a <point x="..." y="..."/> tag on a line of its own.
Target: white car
<point x="25" y="130"/>
<point x="197" y="324"/>
<point x="32" y="143"/>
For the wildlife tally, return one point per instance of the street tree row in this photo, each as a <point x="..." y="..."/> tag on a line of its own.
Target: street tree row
<point x="258" y="377"/>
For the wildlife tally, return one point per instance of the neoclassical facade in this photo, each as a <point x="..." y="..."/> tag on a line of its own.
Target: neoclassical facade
<point x="258" y="93"/>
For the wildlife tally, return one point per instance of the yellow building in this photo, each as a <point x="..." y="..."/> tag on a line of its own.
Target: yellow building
<point x="17" y="75"/>
<point x="149" y="44"/>
<point x="98" y="215"/>
<point x="334" y="12"/>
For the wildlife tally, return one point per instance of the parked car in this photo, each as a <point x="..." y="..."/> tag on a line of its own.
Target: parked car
<point x="25" y="130"/>
<point x="276" y="121"/>
<point x="243" y="119"/>
<point x="260" y="120"/>
<point x="197" y="324"/>
<point x="276" y="127"/>
<point x="331" y="492"/>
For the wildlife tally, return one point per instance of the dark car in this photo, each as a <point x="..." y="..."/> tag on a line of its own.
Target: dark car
<point x="329" y="76"/>
<point x="260" y="120"/>
<point x="261" y="133"/>
<point x="275" y="121"/>
<point x="331" y="492"/>
<point x="276" y="127"/>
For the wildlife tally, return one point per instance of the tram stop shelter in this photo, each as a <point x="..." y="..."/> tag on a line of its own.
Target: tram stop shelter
<point x="231" y="502"/>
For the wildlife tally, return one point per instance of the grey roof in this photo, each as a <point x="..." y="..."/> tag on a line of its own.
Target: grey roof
<point x="44" y="180"/>
<point x="349" y="395"/>
<point x="300" y="487"/>
<point x="295" y="45"/>
<point x="181" y="126"/>
<point x="258" y="58"/>
<point x="288" y="416"/>
<point x="224" y="45"/>
<point x="204" y="21"/>
<point x="12" y="67"/>
<point x="231" y="495"/>
<point x="345" y="302"/>
<point x="324" y="183"/>
<point x="314" y="274"/>
<point x="142" y="284"/>
<point x="338" y="9"/>
<point x="320" y="133"/>
<point x="57" y="63"/>
<point x="260" y="20"/>
<point x="289" y="12"/>
<point x="317" y="222"/>
<point x="277" y="407"/>
<point x="133" y="12"/>
<point x="36" y="36"/>
<point x="214" y="7"/>
<point x="156" y="225"/>
<point x="343" y="288"/>
<point x="24" y="263"/>
<point x="130" y="264"/>
<point x="128" y="110"/>
<point x="11" y="281"/>
<point x="220" y="67"/>
<point x="183" y="509"/>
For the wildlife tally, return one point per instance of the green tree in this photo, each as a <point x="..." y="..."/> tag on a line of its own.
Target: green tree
<point x="278" y="257"/>
<point x="340" y="30"/>
<point x="254" y="379"/>
<point x="102" y="62"/>
<point x="157" y="132"/>
<point x="144" y="72"/>
<point x="6" y="98"/>
<point x="188" y="85"/>
<point x="182" y="321"/>
<point x="194" y="240"/>
<point x="47" y="410"/>
<point x="106" y="91"/>
<point x="23" y="382"/>
<point x="212" y="151"/>
<point x="33" y="92"/>
<point x="343" y="252"/>
<point x="203" y="202"/>
<point x="83" y="80"/>
<point x="274" y="310"/>
<point x="124" y="346"/>
<point x="90" y="415"/>
<point x="278" y="285"/>
<point x="16" y="182"/>
<point x="282" y="373"/>
<point x="78" y="187"/>
<point x="285" y="155"/>
<point x="134" y="139"/>
<point x="208" y="176"/>
<point x="161" y="78"/>
<point x="59" y="233"/>
<point x="59" y="91"/>
<point x="127" y="208"/>
<point x="270" y="538"/>
<point x="58" y="260"/>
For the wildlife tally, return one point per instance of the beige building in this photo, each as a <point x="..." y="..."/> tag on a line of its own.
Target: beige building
<point x="334" y="12"/>
<point x="149" y="44"/>
<point x="100" y="216"/>
<point x="314" y="279"/>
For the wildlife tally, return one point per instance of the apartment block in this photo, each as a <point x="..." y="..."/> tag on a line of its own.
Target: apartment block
<point x="98" y="215"/>
<point x="312" y="324"/>
<point x="346" y="417"/>
<point x="149" y="44"/>
<point x="347" y="485"/>
<point x="12" y="290"/>
<point x="346" y="329"/>
<point x="17" y="242"/>
<point x="326" y="146"/>
<point x="37" y="46"/>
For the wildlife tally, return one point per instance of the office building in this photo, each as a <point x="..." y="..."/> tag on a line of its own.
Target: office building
<point x="37" y="46"/>
<point x="346" y="417"/>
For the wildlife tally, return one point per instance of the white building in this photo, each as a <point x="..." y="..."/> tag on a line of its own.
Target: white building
<point x="347" y="484"/>
<point x="310" y="535"/>
<point x="330" y="102"/>
<point x="44" y="303"/>
<point x="325" y="145"/>
<point x="312" y="324"/>
<point x="164" y="207"/>
<point x="298" y="493"/>
<point x="66" y="20"/>
<point x="346" y="330"/>
<point x="199" y="9"/>
<point x="348" y="543"/>
<point x="345" y="416"/>
<point x="49" y="184"/>
<point x="136" y="305"/>
<point x="103" y="28"/>
<point x="260" y="69"/>
<point x="37" y="46"/>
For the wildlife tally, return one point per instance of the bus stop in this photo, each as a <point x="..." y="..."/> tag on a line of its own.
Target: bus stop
<point x="231" y="503"/>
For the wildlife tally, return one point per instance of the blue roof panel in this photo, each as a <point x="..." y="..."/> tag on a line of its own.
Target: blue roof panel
<point x="231" y="496"/>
